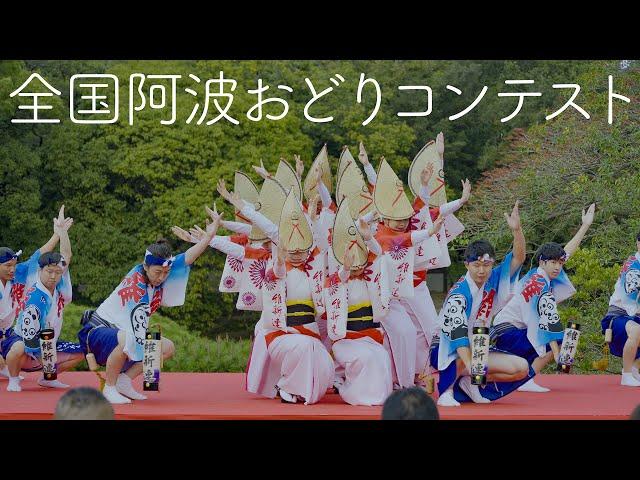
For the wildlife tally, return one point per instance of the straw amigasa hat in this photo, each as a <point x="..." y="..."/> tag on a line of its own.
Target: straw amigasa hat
<point x="322" y="162"/>
<point x="272" y="197"/>
<point x="428" y="155"/>
<point x="287" y="177"/>
<point x="352" y="186"/>
<point x="389" y="197"/>
<point x="347" y="237"/>
<point x="247" y="190"/>
<point x="294" y="229"/>
<point x="345" y="159"/>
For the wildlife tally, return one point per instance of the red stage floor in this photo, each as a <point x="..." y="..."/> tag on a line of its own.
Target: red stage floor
<point x="222" y="396"/>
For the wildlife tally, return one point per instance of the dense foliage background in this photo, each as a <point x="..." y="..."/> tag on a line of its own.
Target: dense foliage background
<point x="127" y="185"/>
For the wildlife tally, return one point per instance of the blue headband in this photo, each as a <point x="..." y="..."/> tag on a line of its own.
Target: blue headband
<point x="484" y="258"/>
<point x="562" y="258"/>
<point x="50" y="261"/>
<point x="150" y="259"/>
<point x="7" y="257"/>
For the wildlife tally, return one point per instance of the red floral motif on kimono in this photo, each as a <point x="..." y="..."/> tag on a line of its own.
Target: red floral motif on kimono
<point x="395" y="243"/>
<point x="235" y="264"/>
<point x="397" y="249"/>
<point x="258" y="272"/>
<point x="248" y="298"/>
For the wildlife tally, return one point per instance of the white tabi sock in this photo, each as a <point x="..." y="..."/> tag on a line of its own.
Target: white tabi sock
<point x="629" y="380"/>
<point x="111" y="393"/>
<point x="287" y="397"/>
<point x="52" y="383"/>
<point x="14" y="385"/>
<point x="532" y="386"/>
<point x="447" y="400"/>
<point x="636" y="374"/>
<point x="125" y="387"/>
<point x="472" y="390"/>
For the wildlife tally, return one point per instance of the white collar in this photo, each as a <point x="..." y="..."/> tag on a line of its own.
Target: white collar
<point x="472" y="285"/>
<point x="44" y="289"/>
<point x="541" y="271"/>
<point x="638" y="256"/>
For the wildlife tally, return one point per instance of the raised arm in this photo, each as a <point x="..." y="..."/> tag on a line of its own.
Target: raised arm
<point x="61" y="227"/>
<point x="372" y="244"/>
<point x="299" y="167"/>
<point x="372" y="177"/>
<point x="370" y="217"/>
<point x="278" y="253"/>
<point x="237" y="227"/>
<point x="587" y="220"/>
<point x="55" y="238"/>
<point x="323" y="191"/>
<point x="263" y="223"/>
<point x="198" y="249"/>
<point x="222" y="244"/>
<point x="440" y="146"/>
<point x="425" y="178"/>
<point x="261" y="170"/>
<point x="344" y="272"/>
<point x="247" y="210"/>
<point x="227" y="247"/>
<point x="419" y="236"/>
<point x="519" y="244"/>
<point x="452" y="207"/>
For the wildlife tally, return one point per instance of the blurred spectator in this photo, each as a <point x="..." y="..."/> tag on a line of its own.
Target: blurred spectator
<point x="83" y="403"/>
<point x="410" y="404"/>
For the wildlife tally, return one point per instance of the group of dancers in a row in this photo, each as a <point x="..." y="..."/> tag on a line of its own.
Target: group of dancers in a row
<point x="340" y="279"/>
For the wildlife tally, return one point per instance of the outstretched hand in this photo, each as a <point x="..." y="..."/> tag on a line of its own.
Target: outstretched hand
<point x="261" y="170"/>
<point x="513" y="220"/>
<point x="215" y="216"/>
<point x="426" y="174"/>
<point x="222" y="190"/>
<point x="440" y="144"/>
<point x="182" y="234"/>
<point x="437" y="225"/>
<point x="299" y="166"/>
<point x="281" y="252"/>
<point x="365" y="229"/>
<point x="236" y="201"/>
<point x="587" y="217"/>
<point x="196" y="232"/>
<point x="362" y="155"/>
<point x="466" y="191"/>
<point x="313" y="207"/>
<point x="347" y="260"/>
<point x="212" y="227"/>
<point x="61" y="224"/>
